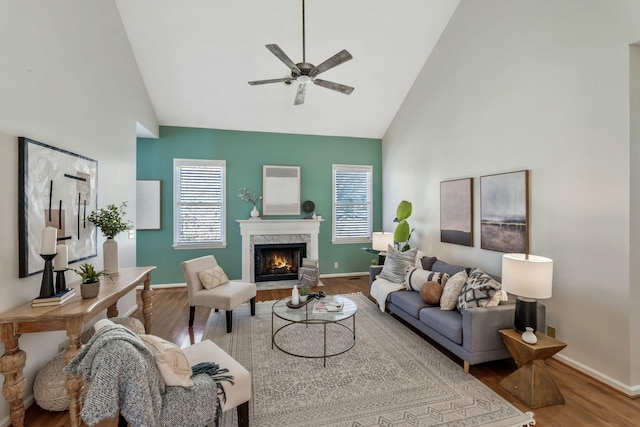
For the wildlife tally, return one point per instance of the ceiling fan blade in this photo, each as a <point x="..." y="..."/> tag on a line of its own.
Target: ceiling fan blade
<point x="302" y="89"/>
<point x="334" y="86"/>
<point x="337" y="59"/>
<point x="279" y="53"/>
<point x="264" y="82"/>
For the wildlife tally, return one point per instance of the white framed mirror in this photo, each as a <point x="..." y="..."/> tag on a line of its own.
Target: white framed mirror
<point x="280" y="190"/>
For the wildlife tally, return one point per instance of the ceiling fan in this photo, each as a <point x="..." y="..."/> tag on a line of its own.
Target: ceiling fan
<point x="304" y="72"/>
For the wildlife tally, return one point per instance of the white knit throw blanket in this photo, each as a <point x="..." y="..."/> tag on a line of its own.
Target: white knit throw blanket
<point x="381" y="288"/>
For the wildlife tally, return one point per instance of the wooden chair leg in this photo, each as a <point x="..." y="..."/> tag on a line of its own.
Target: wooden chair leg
<point x="192" y="314"/>
<point x="229" y="320"/>
<point x="252" y="303"/>
<point x="122" y="422"/>
<point x="243" y="414"/>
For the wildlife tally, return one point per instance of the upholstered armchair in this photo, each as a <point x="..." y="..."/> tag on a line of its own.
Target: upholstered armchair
<point x="217" y="291"/>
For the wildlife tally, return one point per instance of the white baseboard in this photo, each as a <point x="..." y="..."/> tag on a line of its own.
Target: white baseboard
<point x="629" y="390"/>
<point x="164" y="285"/>
<point x="344" y="274"/>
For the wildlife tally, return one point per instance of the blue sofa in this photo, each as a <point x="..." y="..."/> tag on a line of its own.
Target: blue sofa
<point x="471" y="335"/>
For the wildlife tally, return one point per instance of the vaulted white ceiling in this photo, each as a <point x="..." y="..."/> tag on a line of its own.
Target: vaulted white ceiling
<point x="196" y="57"/>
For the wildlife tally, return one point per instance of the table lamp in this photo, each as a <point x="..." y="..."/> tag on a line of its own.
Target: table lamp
<point x="528" y="277"/>
<point x="380" y="241"/>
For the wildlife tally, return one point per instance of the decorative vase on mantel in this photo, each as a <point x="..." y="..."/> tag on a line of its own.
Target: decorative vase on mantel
<point x="255" y="214"/>
<point x="110" y="256"/>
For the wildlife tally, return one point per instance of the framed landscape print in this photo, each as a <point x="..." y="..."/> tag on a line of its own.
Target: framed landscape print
<point x="456" y="212"/>
<point x="57" y="188"/>
<point x="504" y="224"/>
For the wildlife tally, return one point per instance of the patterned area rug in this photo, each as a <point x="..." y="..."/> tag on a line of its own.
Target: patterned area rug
<point x="391" y="377"/>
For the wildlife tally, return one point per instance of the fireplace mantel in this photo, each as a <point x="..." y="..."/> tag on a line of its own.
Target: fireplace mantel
<point x="269" y="227"/>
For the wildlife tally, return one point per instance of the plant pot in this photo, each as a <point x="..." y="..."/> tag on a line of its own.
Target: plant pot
<point x="89" y="290"/>
<point x="110" y="256"/>
<point x="303" y="298"/>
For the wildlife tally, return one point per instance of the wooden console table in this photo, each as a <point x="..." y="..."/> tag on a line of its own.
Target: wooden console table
<point x="71" y="316"/>
<point x="532" y="383"/>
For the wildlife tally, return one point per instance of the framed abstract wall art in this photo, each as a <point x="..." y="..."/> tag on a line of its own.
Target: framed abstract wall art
<point x="280" y="190"/>
<point x="456" y="212"/>
<point x="57" y="188"/>
<point x="504" y="224"/>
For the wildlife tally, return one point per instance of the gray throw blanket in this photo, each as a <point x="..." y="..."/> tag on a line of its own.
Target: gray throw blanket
<point x="123" y="374"/>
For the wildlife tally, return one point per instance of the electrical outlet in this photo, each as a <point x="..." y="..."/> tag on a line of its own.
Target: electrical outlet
<point x="335" y="264"/>
<point x="551" y="331"/>
<point x="63" y="346"/>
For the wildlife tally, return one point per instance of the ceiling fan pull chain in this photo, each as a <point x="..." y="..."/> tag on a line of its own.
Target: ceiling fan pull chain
<point x="304" y="53"/>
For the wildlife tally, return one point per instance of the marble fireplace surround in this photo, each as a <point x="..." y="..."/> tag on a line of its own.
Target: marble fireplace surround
<point x="265" y="231"/>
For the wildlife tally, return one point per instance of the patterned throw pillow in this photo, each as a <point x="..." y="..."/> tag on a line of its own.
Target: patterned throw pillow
<point x="417" y="277"/>
<point x="213" y="277"/>
<point x="479" y="291"/>
<point x="171" y="361"/>
<point x="396" y="264"/>
<point x="452" y="289"/>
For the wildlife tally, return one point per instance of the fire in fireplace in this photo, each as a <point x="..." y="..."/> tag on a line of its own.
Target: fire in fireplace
<point x="278" y="261"/>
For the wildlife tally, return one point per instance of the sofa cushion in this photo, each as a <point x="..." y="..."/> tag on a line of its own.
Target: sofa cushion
<point x="451" y="291"/>
<point x="396" y="263"/>
<point x="447" y="323"/>
<point x="427" y="262"/>
<point x="417" y="277"/>
<point x="409" y="301"/>
<point x="431" y="293"/>
<point x="450" y="269"/>
<point x="479" y="291"/>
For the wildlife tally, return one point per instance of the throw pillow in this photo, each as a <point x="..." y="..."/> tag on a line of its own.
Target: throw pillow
<point x="213" y="277"/>
<point x="431" y="293"/>
<point x="396" y="264"/>
<point x="427" y="262"/>
<point x="417" y="277"/>
<point x="479" y="291"/>
<point x="452" y="289"/>
<point x="311" y="263"/>
<point x="171" y="361"/>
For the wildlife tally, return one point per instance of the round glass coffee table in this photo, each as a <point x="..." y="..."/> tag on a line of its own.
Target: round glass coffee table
<point x="337" y="309"/>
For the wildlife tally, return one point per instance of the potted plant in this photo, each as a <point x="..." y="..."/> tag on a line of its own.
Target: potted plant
<point x="402" y="234"/>
<point x="304" y="293"/>
<point x="111" y="222"/>
<point x="90" y="286"/>
<point x="248" y="196"/>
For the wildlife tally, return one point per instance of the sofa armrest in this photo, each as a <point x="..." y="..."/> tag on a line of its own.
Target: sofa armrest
<point x="374" y="270"/>
<point x="480" y="326"/>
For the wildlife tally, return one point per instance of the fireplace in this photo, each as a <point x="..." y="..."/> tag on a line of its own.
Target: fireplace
<point x="278" y="261"/>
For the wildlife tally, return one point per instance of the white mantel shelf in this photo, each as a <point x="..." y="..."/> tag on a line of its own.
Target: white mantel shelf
<point x="263" y="227"/>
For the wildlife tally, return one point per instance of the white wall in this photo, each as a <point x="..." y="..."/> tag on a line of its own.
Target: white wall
<point x="68" y="78"/>
<point x="543" y="86"/>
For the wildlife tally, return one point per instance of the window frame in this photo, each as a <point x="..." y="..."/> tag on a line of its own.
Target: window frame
<point x="336" y="168"/>
<point x="177" y="243"/>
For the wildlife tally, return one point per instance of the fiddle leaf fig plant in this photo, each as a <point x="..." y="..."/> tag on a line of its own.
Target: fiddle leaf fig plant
<point x="110" y="220"/>
<point x="402" y="233"/>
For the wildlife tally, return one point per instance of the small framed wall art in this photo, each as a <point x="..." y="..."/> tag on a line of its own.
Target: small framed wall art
<point x="504" y="223"/>
<point x="456" y="212"/>
<point x="280" y="190"/>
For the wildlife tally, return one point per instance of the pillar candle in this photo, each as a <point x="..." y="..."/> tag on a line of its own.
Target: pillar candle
<point x="61" y="261"/>
<point x="49" y="240"/>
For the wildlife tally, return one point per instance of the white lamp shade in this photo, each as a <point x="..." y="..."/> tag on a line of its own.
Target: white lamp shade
<point x="380" y="241"/>
<point x="528" y="276"/>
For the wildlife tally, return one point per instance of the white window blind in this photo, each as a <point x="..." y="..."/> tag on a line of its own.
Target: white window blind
<point x="199" y="208"/>
<point x="352" y="203"/>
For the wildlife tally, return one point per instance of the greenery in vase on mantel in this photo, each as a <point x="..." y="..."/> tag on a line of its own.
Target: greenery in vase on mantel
<point x="110" y="220"/>
<point x="247" y="196"/>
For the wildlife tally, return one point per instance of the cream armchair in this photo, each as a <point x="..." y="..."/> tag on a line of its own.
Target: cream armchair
<point x="224" y="297"/>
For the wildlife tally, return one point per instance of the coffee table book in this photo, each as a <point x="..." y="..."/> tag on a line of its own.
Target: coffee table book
<point x="57" y="299"/>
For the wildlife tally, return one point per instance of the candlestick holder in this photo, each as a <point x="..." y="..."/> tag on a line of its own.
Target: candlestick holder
<point x="61" y="281"/>
<point x="46" y="288"/>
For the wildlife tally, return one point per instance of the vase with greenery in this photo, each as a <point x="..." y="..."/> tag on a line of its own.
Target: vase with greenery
<point x="402" y="233"/>
<point x="111" y="222"/>
<point x="247" y="196"/>
<point x="90" y="286"/>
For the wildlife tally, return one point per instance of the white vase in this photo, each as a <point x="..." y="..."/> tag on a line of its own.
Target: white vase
<point x="529" y="336"/>
<point x="110" y="256"/>
<point x="255" y="214"/>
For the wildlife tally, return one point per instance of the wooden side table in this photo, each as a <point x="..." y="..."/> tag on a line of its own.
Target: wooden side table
<point x="532" y="383"/>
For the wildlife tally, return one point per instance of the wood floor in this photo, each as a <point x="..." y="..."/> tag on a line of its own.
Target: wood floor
<point x="587" y="401"/>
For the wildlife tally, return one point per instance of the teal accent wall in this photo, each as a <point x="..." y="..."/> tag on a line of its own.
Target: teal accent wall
<point x="245" y="153"/>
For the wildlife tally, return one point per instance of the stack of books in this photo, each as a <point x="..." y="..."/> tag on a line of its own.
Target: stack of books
<point x="56" y="299"/>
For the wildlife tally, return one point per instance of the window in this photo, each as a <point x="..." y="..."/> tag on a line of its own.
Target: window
<point x="352" y="203"/>
<point x="199" y="207"/>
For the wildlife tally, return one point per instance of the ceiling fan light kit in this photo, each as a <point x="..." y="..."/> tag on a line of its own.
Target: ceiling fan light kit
<point x="304" y="72"/>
